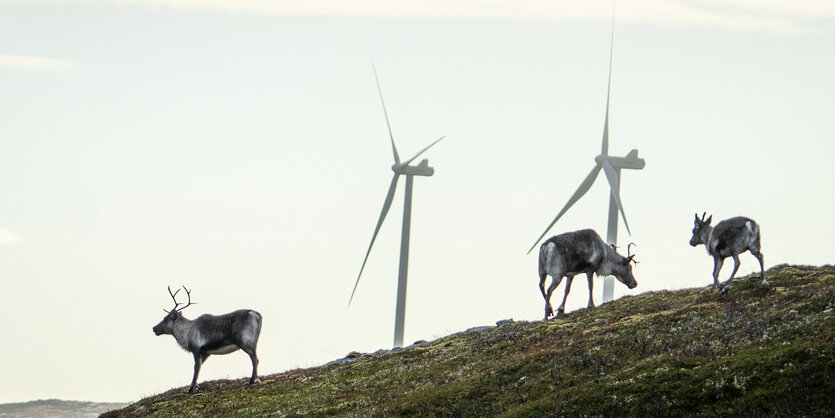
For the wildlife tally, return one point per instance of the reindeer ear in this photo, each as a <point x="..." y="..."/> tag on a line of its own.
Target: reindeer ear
<point x="709" y="219"/>
<point x="697" y="217"/>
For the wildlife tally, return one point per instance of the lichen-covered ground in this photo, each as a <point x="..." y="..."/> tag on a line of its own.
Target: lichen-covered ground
<point x="752" y="352"/>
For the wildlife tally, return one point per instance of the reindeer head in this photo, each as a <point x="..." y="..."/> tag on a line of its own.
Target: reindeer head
<point x="166" y="326"/>
<point x="699" y="226"/>
<point x="623" y="271"/>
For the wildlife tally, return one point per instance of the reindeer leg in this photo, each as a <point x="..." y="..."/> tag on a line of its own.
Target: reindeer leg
<point x="254" y="357"/>
<point x="555" y="281"/>
<point x="591" y="288"/>
<point x="736" y="266"/>
<point x="542" y="278"/>
<point x="561" y="309"/>
<point x="198" y="361"/>
<point x="759" y="256"/>
<point x="717" y="266"/>
<point x="727" y="285"/>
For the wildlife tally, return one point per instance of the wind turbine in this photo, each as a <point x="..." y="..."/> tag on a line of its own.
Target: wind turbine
<point x="611" y="166"/>
<point x="399" y="168"/>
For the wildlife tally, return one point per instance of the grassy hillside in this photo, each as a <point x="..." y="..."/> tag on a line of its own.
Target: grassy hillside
<point x="752" y="351"/>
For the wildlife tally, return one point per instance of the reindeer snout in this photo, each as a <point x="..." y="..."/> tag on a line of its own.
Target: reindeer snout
<point x="632" y="285"/>
<point x="157" y="331"/>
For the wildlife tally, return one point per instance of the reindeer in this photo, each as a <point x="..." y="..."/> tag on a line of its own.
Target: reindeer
<point x="210" y="334"/>
<point x="728" y="238"/>
<point x="567" y="255"/>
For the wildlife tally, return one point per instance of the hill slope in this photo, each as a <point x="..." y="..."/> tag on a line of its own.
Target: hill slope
<point x="752" y="351"/>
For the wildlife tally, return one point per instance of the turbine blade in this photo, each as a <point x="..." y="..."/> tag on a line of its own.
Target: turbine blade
<point x="391" y="136"/>
<point x="612" y="177"/>
<point x="423" y="150"/>
<point x="604" y="149"/>
<point x="584" y="187"/>
<point x="386" y="207"/>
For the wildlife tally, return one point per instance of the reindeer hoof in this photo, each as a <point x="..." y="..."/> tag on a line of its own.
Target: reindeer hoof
<point x="725" y="289"/>
<point x="254" y="381"/>
<point x="764" y="283"/>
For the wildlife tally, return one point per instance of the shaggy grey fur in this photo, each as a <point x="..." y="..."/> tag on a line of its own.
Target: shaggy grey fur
<point x="728" y="238"/>
<point x="572" y="253"/>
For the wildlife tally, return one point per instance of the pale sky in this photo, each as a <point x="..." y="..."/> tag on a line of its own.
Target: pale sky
<point x="239" y="148"/>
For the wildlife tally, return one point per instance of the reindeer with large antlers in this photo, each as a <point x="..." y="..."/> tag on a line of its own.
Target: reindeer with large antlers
<point x="211" y="334"/>
<point x="572" y="253"/>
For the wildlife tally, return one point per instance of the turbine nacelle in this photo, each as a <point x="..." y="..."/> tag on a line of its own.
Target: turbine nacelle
<point x="422" y="169"/>
<point x="631" y="161"/>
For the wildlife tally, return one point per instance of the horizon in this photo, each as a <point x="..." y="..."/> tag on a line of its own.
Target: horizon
<point x="240" y="149"/>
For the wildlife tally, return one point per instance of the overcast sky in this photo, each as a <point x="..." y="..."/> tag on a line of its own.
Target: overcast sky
<point x="239" y="148"/>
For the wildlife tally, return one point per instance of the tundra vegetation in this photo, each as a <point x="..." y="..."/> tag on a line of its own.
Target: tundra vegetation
<point x="752" y="351"/>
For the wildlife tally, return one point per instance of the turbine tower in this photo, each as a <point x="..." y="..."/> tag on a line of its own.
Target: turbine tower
<point x="612" y="167"/>
<point x="399" y="168"/>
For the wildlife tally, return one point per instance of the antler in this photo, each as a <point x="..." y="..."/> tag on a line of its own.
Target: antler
<point x="188" y="292"/>
<point x="629" y="255"/>
<point x="176" y="304"/>
<point x="173" y="296"/>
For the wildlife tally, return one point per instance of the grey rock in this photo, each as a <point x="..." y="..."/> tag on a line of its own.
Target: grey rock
<point x="477" y="329"/>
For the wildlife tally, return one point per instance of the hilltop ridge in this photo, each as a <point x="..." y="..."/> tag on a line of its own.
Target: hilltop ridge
<point x="752" y="351"/>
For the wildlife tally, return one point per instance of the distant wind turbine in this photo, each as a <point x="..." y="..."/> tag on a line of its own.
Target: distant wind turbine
<point x="611" y="166"/>
<point x="399" y="168"/>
